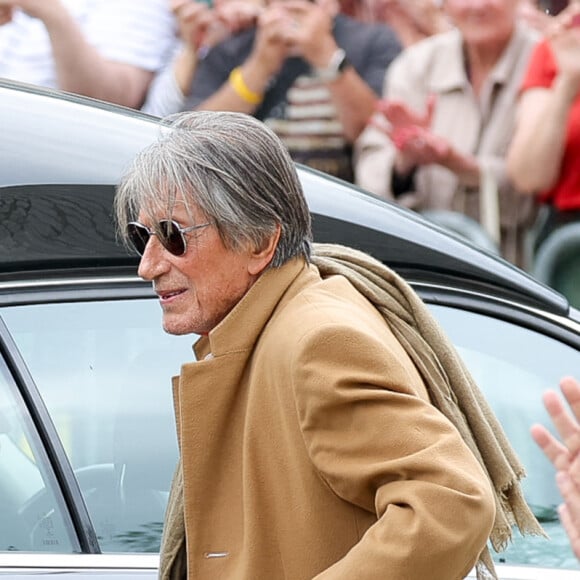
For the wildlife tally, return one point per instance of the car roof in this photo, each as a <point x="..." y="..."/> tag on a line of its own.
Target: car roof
<point x="62" y="154"/>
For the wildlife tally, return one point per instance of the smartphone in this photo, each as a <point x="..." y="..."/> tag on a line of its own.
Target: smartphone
<point x="552" y="7"/>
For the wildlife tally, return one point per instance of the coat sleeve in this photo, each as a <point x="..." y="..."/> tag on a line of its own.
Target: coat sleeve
<point x="380" y="445"/>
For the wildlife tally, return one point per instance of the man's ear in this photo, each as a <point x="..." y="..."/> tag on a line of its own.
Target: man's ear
<point x="262" y="256"/>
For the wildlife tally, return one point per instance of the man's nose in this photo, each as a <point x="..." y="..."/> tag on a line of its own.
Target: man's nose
<point x="153" y="261"/>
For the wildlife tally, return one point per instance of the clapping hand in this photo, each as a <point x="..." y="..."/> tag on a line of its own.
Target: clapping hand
<point x="410" y="132"/>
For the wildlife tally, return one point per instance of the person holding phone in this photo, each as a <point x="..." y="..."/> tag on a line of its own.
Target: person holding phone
<point x="201" y="25"/>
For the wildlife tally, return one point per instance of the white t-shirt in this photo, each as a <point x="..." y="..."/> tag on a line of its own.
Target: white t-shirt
<point x="137" y="32"/>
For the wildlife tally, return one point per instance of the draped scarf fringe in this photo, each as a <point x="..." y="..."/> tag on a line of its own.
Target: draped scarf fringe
<point x="451" y="388"/>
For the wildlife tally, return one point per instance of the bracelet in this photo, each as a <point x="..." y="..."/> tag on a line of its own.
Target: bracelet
<point x="241" y="89"/>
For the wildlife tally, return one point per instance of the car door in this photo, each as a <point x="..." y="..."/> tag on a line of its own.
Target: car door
<point x="86" y="421"/>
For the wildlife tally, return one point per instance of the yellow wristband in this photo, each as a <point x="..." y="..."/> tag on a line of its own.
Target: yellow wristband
<point x="241" y="88"/>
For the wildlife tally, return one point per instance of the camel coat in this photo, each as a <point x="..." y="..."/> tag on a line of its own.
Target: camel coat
<point x="481" y="127"/>
<point x="309" y="448"/>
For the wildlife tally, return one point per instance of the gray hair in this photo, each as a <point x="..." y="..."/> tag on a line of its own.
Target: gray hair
<point x="230" y="166"/>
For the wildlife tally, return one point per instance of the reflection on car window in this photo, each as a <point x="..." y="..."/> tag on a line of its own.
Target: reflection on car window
<point x="32" y="512"/>
<point x="104" y="371"/>
<point x="514" y="366"/>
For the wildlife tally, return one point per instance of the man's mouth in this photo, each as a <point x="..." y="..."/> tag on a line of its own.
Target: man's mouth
<point x="169" y="295"/>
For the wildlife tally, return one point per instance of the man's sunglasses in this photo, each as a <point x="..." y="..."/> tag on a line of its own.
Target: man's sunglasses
<point x="169" y="233"/>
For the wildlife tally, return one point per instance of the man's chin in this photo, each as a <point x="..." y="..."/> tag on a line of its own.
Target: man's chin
<point x="175" y="331"/>
<point x="177" y="327"/>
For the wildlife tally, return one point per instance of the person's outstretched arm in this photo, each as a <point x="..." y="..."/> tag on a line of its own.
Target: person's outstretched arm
<point x="537" y="148"/>
<point x="80" y="67"/>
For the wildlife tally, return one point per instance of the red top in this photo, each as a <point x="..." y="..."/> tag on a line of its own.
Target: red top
<point x="565" y="195"/>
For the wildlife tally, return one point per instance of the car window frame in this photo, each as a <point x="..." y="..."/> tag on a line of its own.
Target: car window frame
<point x="52" y="448"/>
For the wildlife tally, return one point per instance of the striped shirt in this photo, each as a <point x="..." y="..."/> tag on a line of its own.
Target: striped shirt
<point x="311" y="130"/>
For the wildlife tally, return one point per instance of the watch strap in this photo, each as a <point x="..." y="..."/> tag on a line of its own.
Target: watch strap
<point x="334" y="69"/>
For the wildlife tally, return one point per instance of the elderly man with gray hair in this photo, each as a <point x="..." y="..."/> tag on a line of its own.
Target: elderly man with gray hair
<point x="310" y="444"/>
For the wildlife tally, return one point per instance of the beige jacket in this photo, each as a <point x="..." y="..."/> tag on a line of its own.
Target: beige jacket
<point x="483" y="128"/>
<point x="310" y="449"/>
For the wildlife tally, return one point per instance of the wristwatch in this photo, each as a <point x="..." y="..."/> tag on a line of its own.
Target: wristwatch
<point x="334" y="69"/>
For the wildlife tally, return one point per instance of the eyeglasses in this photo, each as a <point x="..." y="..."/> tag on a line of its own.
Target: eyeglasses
<point x="170" y="234"/>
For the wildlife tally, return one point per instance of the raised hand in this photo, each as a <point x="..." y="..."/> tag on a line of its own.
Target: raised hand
<point x="272" y="45"/>
<point x="564" y="453"/>
<point x="561" y="452"/>
<point x="564" y="37"/>
<point x="400" y="115"/>
<point x="410" y="132"/>
<point x="237" y="14"/>
<point x="310" y="30"/>
<point x="194" y="20"/>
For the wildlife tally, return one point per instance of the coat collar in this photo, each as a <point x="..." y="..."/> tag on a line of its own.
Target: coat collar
<point x="449" y="71"/>
<point x="508" y="61"/>
<point x="239" y="330"/>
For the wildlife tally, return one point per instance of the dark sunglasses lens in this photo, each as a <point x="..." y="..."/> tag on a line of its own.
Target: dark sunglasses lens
<point x="171" y="237"/>
<point x="138" y="236"/>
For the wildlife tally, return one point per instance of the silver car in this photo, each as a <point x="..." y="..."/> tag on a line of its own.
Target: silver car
<point x="87" y="442"/>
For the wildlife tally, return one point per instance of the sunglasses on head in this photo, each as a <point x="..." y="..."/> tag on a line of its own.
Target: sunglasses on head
<point x="168" y="232"/>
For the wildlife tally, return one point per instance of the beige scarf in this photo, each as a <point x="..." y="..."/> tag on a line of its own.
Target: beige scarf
<point x="451" y="389"/>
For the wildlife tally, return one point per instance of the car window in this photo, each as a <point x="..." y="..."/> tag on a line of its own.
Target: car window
<point x="104" y="371"/>
<point x="513" y="366"/>
<point x="33" y="516"/>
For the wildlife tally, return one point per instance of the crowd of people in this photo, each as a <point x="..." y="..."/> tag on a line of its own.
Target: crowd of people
<point x="456" y="106"/>
<point x="453" y="105"/>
